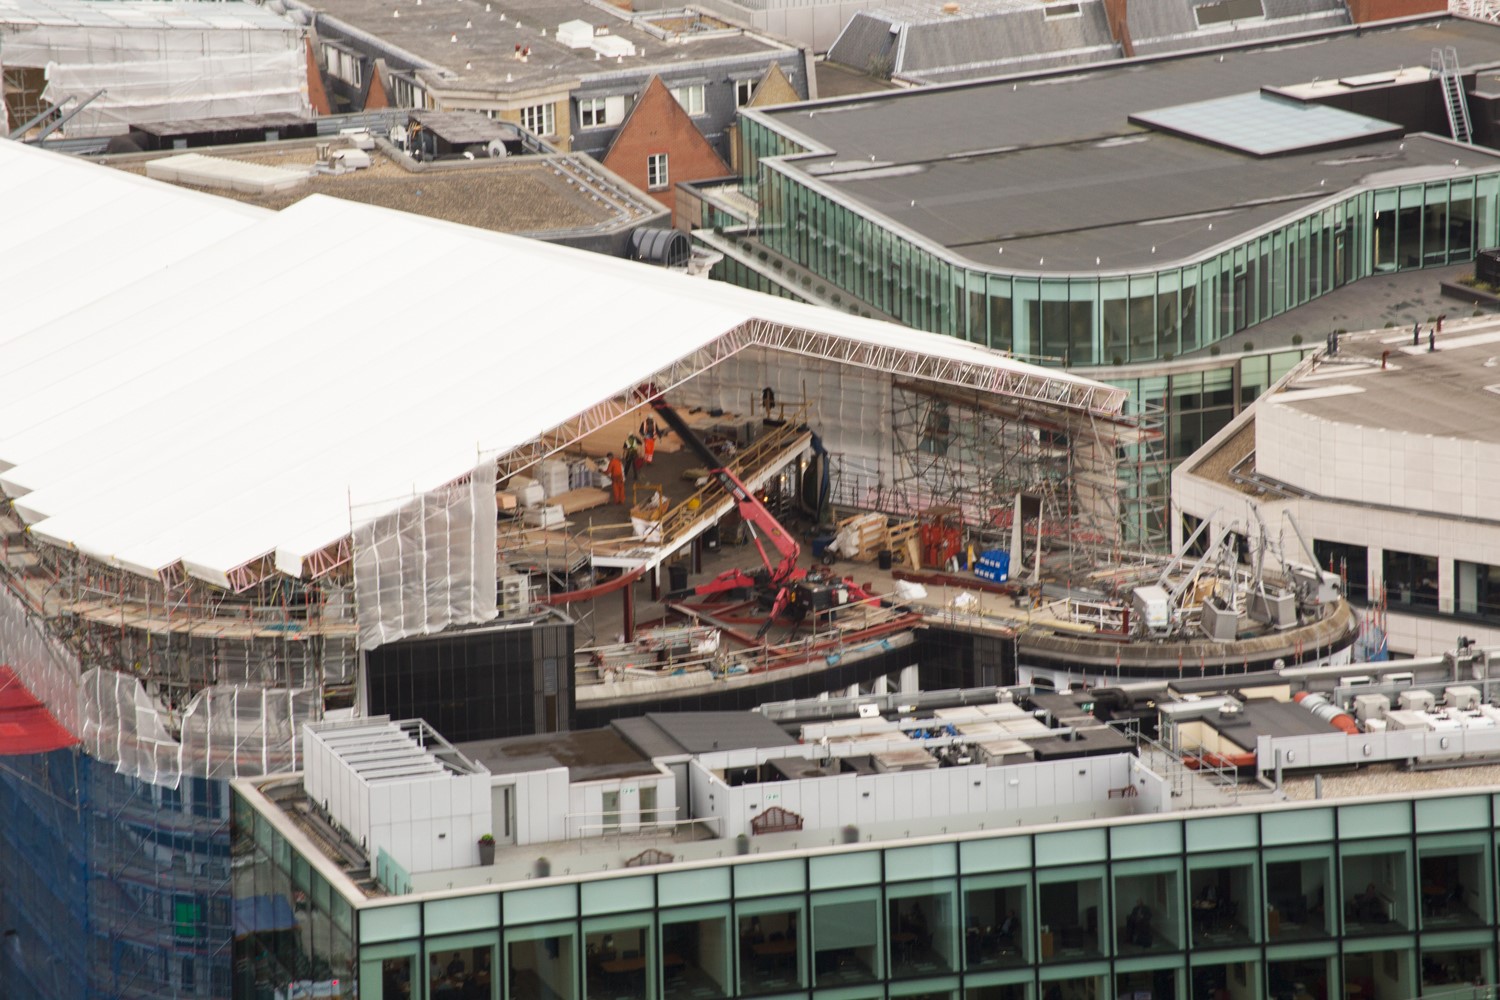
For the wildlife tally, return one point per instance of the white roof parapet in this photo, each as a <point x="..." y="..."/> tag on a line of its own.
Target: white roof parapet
<point x="225" y="418"/>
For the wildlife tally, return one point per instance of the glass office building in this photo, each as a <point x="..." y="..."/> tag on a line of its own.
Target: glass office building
<point x="1084" y="320"/>
<point x="1380" y="898"/>
<point x="1069" y="218"/>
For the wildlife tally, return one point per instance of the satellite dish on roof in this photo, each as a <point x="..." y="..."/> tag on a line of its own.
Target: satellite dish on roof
<point x="496" y="149"/>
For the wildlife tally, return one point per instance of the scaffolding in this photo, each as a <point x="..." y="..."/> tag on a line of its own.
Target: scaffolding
<point x="115" y="887"/>
<point x="172" y="676"/>
<point x="1482" y="10"/>
<point x="993" y="459"/>
<point x="155" y="62"/>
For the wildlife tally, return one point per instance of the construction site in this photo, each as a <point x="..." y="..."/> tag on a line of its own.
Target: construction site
<point x="833" y="504"/>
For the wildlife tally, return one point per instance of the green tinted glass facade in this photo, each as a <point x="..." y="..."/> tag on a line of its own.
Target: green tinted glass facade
<point x="1380" y="900"/>
<point x="1109" y="319"/>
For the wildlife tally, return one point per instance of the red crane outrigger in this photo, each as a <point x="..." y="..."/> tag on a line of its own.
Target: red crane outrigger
<point x="785" y="582"/>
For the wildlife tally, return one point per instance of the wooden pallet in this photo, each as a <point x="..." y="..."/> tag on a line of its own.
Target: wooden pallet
<point x="583" y="498"/>
<point x="871" y="536"/>
<point x="902" y="540"/>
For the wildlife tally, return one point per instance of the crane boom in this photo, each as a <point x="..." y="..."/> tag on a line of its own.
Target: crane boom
<point x="754" y="513"/>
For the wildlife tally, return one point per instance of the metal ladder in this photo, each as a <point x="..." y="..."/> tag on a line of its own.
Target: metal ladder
<point x="1445" y="64"/>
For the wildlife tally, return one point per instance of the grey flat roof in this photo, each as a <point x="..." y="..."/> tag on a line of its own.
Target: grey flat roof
<point x="705" y="732"/>
<point x="1264" y="717"/>
<point x="589" y="754"/>
<point x="1051" y="169"/>
<point x="546" y="195"/>
<point x="1444" y="393"/>
<point x="1057" y="208"/>
<point x="488" y="46"/>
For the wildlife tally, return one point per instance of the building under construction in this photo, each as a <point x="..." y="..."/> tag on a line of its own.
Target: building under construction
<point x="235" y="503"/>
<point x="98" y="71"/>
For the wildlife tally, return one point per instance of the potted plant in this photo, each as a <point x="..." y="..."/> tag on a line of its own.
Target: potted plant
<point x="742" y="844"/>
<point x="543" y="867"/>
<point x="851" y="834"/>
<point x="487" y="849"/>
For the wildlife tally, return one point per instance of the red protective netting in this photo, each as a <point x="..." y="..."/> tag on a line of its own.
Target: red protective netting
<point x="25" y="724"/>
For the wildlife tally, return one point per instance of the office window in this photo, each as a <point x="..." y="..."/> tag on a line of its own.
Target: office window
<point x="770" y="950"/>
<point x="1351" y="562"/>
<point x="921" y="929"/>
<point x="1074" y="987"/>
<point x="743" y="91"/>
<point x="846" y="937"/>
<point x="1148" y="912"/>
<point x="1299" y="978"/>
<point x="1071" y="901"/>
<point x="997" y="922"/>
<point x="1410" y="579"/>
<point x="695" y="953"/>
<point x="540" y="961"/>
<point x="1226" y="976"/>
<point x="999" y="991"/>
<point x="1379" y="971"/>
<point x="1477" y="588"/>
<point x="690" y="97"/>
<point x="1297" y="888"/>
<point x="1451" y="968"/>
<point x="538" y="119"/>
<point x="1146" y="984"/>
<point x="618" y="959"/>
<point x="1225" y="901"/>
<point x="656" y="172"/>
<point x="1377" y="887"/>
<point x="461" y="966"/>
<point x="1453" y="877"/>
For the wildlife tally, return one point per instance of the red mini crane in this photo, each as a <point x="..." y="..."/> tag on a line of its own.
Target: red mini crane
<point x="787" y="585"/>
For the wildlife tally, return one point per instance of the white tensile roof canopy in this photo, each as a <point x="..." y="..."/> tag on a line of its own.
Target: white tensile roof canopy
<point x="240" y="399"/>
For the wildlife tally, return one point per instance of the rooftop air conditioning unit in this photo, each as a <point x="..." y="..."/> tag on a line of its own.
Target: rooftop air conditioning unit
<point x="1416" y="700"/>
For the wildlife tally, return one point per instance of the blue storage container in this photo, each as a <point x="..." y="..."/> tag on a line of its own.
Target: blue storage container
<point x="993" y="566"/>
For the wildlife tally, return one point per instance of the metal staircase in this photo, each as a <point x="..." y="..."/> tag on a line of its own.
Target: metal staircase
<point x="1445" y="65"/>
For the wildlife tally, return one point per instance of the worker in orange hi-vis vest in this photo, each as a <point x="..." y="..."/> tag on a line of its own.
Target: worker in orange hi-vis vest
<point x="648" y="433"/>
<point x="616" y="473"/>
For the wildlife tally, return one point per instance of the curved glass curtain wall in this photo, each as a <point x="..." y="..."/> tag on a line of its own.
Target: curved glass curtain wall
<point x="1080" y="321"/>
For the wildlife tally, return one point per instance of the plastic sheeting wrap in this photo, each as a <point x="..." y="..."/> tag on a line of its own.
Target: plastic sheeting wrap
<point x="238" y="731"/>
<point x="159" y="61"/>
<point x="45" y="666"/>
<point x="428" y="565"/>
<point x="850" y="409"/>
<point x="227" y="731"/>
<point x="124" y="726"/>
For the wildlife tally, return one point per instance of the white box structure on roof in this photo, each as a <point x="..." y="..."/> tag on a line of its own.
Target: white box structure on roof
<point x="382" y="782"/>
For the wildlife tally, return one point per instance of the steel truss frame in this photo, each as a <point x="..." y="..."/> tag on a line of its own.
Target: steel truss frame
<point x="1005" y="378"/>
<point x="1028" y="386"/>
